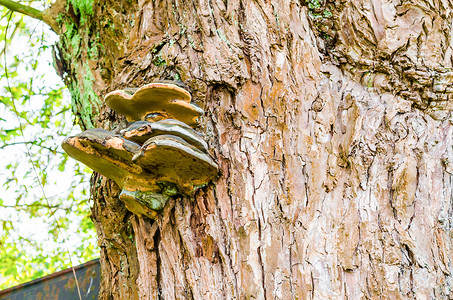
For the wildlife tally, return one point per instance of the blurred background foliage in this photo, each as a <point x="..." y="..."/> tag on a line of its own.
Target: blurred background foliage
<point x="44" y="203"/>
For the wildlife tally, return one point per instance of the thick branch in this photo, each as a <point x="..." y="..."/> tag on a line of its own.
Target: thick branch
<point x="26" y="10"/>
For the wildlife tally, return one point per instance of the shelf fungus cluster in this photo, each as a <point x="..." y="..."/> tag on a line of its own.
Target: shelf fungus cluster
<point x="158" y="154"/>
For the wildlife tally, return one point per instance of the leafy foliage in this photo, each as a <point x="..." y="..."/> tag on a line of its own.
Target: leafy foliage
<point x="44" y="209"/>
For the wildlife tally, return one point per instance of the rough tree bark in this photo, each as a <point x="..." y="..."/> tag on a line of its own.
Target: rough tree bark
<point x="331" y="123"/>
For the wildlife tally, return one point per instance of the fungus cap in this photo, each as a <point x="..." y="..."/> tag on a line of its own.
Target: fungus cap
<point x="165" y="98"/>
<point x="174" y="160"/>
<point x="104" y="152"/>
<point x="141" y="131"/>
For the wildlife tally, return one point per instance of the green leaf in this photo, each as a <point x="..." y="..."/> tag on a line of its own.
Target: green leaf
<point x="44" y="115"/>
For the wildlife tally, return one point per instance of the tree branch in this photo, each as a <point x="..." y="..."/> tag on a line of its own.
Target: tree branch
<point x="50" y="149"/>
<point x="26" y="10"/>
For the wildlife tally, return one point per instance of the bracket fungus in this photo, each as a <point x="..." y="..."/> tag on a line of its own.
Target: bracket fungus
<point x="141" y="131"/>
<point x="155" y="98"/>
<point x="156" y="156"/>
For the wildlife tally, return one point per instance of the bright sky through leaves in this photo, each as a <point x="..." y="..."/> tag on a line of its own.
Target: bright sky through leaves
<point x="37" y="234"/>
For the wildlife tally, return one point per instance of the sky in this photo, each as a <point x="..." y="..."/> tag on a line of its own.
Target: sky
<point x="22" y="167"/>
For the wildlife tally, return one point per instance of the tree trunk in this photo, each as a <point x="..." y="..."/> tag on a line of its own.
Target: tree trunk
<point x="332" y="127"/>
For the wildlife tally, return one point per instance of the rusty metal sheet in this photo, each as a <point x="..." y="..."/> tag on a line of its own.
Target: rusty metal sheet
<point x="60" y="285"/>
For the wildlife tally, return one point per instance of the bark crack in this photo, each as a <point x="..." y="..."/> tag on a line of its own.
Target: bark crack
<point x="226" y="243"/>
<point x="156" y="239"/>
<point x="260" y="260"/>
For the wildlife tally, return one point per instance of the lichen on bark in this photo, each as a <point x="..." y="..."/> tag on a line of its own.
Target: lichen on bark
<point x="77" y="52"/>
